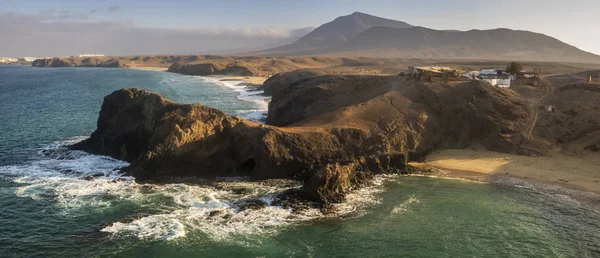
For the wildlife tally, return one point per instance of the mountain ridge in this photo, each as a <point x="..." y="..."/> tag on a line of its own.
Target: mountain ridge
<point x="339" y="31"/>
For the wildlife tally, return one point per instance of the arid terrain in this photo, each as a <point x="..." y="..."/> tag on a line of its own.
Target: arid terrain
<point x="334" y="122"/>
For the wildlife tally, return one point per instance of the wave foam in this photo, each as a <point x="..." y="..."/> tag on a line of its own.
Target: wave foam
<point x="76" y="180"/>
<point x="246" y="93"/>
<point x="403" y="207"/>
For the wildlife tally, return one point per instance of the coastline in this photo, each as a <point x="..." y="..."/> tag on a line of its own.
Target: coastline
<point x="162" y="69"/>
<point x="249" y="80"/>
<point x="576" y="176"/>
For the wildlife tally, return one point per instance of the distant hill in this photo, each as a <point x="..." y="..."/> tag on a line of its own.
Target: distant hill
<point x="337" y="32"/>
<point x="365" y="35"/>
<point x="419" y="42"/>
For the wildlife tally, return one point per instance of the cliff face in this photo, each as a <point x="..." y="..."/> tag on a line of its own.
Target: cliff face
<point x="51" y="63"/>
<point x="80" y="62"/>
<point x="212" y="69"/>
<point x="165" y="139"/>
<point x="421" y="117"/>
<point x="574" y="122"/>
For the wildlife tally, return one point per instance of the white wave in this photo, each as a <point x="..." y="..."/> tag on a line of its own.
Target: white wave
<point x="246" y="93"/>
<point x="403" y="207"/>
<point x="218" y="213"/>
<point x="215" y="210"/>
<point x="358" y="200"/>
<point x="149" y="228"/>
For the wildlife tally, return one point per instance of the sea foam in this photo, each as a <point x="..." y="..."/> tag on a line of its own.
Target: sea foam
<point x="77" y="182"/>
<point x="246" y="93"/>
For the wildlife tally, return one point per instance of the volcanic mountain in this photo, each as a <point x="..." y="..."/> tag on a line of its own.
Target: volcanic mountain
<point x="365" y="35"/>
<point x="338" y="32"/>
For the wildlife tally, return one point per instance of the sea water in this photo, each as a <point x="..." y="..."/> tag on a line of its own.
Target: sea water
<point x="49" y="207"/>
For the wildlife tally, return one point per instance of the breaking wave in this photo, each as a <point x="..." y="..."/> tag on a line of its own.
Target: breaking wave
<point x="227" y="210"/>
<point x="246" y="93"/>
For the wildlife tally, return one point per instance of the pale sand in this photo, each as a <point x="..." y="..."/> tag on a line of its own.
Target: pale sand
<point x="579" y="173"/>
<point x="151" y="68"/>
<point x="248" y="79"/>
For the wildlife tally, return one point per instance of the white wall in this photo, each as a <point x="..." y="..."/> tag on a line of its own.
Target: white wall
<point x="501" y="83"/>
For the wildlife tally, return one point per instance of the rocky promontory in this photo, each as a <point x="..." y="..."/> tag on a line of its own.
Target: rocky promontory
<point x="331" y="132"/>
<point x="80" y="62"/>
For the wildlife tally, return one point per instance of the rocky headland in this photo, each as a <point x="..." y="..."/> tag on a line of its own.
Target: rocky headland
<point x="332" y="132"/>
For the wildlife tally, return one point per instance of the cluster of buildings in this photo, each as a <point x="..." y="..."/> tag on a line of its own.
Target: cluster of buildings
<point x="8" y="60"/>
<point x="90" y="55"/>
<point x="496" y="77"/>
<point x="16" y="60"/>
<point x="29" y="59"/>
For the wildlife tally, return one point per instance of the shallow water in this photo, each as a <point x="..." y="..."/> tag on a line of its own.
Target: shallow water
<point x="48" y="209"/>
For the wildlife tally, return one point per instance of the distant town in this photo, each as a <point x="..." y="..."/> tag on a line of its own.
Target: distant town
<point x="29" y="59"/>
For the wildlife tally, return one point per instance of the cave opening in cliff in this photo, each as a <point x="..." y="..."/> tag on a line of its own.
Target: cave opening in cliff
<point x="248" y="165"/>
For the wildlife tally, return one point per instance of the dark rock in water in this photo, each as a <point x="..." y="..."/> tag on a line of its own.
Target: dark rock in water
<point x="296" y="200"/>
<point x="252" y="205"/>
<point x="62" y="153"/>
<point x="241" y="190"/>
<point x="334" y="180"/>
<point x="94" y="176"/>
<point x="215" y="213"/>
<point x="69" y="171"/>
<point x="118" y="180"/>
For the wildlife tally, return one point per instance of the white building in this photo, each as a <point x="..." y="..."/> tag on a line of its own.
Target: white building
<point x="500" y="83"/>
<point x="30" y="59"/>
<point x="496" y="77"/>
<point x="8" y="60"/>
<point x="90" y="55"/>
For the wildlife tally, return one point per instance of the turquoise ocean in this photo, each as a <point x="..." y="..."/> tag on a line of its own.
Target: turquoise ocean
<point x="49" y="207"/>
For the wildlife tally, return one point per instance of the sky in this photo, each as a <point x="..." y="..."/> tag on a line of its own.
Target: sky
<point x="68" y="27"/>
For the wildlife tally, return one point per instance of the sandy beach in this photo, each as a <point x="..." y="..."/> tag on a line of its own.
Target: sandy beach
<point x="248" y="79"/>
<point x="574" y="172"/>
<point x="151" y="68"/>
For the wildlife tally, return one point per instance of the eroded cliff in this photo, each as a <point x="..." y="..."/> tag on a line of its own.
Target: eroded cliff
<point x="339" y="131"/>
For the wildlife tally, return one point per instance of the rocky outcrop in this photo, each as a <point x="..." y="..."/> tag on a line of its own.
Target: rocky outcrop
<point x="164" y="139"/>
<point x="299" y="99"/>
<point x="420" y="116"/>
<point x="195" y="69"/>
<point x="573" y="122"/>
<point x="55" y="62"/>
<point x="283" y="80"/>
<point x="212" y="68"/>
<point x="341" y="130"/>
<point x="80" y="62"/>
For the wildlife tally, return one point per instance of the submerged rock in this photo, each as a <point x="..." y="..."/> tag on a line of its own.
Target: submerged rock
<point x="252" y="205"/>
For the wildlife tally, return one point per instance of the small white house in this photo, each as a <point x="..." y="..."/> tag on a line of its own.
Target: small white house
<point x="495" y="77"/>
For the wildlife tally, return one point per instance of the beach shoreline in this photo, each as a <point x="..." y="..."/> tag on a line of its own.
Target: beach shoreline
<point x="162" y="69"/>
<point x="249" y="80"/>
<point x="575" y="176"/>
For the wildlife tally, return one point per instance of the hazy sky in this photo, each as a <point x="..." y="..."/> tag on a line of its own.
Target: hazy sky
<point x="201" y="25"/>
